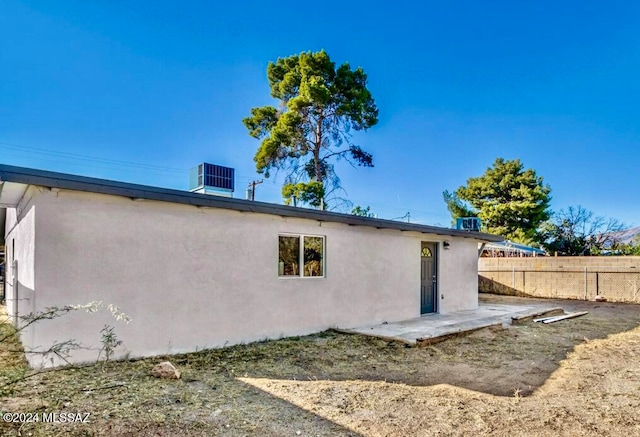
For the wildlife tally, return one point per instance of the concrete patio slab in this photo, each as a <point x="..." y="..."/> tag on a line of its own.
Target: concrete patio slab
<point x="432" y="328"/>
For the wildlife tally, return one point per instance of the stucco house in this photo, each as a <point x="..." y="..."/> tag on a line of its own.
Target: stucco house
<point x="197" y="271"/>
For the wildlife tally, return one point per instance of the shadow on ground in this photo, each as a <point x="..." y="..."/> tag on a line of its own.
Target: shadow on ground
<point x="502" y="361"/>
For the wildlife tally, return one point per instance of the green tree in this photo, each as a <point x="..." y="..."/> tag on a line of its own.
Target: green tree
<point x="311" y="193"/>
<point x="509" y="200"/>
<point x="362" y="212"/>
<point x="632" y="248"/>
<point x="457" y="208"/>
<point x="319" y="108"/>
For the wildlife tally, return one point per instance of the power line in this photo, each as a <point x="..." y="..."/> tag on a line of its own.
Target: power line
<point x="407" y="216"/>
<point x="29" y="149"/>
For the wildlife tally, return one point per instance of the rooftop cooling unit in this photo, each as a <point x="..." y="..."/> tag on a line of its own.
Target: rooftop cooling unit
<point x="212" y="179"/>
<point x="468" y="224"/>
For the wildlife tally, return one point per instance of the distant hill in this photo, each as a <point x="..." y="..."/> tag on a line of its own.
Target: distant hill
<point x="627" y="236"/>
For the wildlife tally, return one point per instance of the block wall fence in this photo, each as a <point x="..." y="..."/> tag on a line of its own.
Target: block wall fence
<point x="616" y="278"/>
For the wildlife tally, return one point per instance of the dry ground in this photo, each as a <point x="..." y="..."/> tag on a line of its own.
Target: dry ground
<point x="575" y="377"/>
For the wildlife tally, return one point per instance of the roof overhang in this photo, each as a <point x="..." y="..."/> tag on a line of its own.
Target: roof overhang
<point x="17" y="179"/>
<point x="11" y="193"/>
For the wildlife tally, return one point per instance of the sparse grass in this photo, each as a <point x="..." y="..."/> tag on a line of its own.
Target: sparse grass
<point x="336" y="384"/>
<point x="13" y="365"/>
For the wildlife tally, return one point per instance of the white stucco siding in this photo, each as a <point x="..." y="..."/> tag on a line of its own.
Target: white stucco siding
<point x="370" y="276"/>
<point x="458" y="276"/>
<point x="11" y="219"/>
<point x="20" y="259"/>
<point x="193" y="278"/>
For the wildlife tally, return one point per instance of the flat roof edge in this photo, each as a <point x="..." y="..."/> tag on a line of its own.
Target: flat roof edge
<point x="50" y="179"/>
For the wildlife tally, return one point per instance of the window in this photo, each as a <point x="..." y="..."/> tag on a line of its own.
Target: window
<point x="426" y="252"/>
<point x="289" y="261"/>
<point x="300" y="255"/>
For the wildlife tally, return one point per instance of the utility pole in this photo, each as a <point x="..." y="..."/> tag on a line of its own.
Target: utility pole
<point x="252" y="186"/>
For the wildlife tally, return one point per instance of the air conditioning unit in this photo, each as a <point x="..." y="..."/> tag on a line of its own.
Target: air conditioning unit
<point x="468" y="224"/>
<point x="212" y="179"/>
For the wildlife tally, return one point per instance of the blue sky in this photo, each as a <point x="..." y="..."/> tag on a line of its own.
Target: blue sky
<point x="143" y="91"/>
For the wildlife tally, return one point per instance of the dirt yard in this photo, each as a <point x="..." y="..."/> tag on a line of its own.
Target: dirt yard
<point x="575" y="377"/>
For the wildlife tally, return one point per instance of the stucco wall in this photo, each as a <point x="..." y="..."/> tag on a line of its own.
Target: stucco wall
<point x="193" y="278"/>
<point x="20" y="259"/>
<point x="458" y="276"/>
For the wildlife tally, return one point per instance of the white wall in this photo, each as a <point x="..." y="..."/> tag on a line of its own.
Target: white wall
<point x="20" y="253"/>
<point x="193" y="278"/>
<point x="458" y="276"/>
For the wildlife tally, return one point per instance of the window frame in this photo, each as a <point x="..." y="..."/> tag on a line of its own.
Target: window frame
<point x="301" y="238"/>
